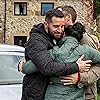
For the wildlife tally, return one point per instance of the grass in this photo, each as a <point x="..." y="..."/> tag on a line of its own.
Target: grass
<point x="98" y="97"/>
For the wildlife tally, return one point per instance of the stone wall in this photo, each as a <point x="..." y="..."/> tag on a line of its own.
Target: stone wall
<point x="21" y="25"/>
<point x="2" y="17"/>
<point x="97" y="31"/>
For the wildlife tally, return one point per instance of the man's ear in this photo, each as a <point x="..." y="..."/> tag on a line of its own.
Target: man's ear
<point x="46" y="25"/>
<point x="68" y="17"/>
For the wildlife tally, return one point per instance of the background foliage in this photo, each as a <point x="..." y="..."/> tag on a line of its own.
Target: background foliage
<point x="96" y="8"/>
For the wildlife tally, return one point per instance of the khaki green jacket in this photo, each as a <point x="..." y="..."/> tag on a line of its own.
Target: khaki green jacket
<point x="69" y="51"/>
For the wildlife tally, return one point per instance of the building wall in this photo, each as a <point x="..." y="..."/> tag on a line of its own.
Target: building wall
<point x="21" y="25"/>
<point x="2" y="17"/>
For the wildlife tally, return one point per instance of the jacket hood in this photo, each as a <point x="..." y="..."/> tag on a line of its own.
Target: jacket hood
<point x="39" y="28"/>
<point x="69" y="41"/>
<point x="67" y="46"/>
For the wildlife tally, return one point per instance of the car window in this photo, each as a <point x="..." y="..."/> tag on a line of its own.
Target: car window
<point x="9" y="70"/>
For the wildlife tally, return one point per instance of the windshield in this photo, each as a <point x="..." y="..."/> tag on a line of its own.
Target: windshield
<point x="9" y="70"/>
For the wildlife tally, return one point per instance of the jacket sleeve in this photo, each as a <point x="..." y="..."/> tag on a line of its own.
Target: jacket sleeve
<point x="94" y="55"/>
<point x="29" y="67"/>
<point x="90" y="77"/>
<point x="93" y="74"/>
<point x="37" y="51"/>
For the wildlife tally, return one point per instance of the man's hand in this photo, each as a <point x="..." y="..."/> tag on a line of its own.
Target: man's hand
<point x="70" y="79"/>
<point x="83" y="65"/>
<point x="20" y="64"/>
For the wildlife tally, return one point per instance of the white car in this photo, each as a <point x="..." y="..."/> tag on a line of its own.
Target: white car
<point x="10" y="77"/>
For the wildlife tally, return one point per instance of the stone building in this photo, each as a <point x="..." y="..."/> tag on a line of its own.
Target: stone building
<point x="18" y="16"/>
<point x="2" y="20"/>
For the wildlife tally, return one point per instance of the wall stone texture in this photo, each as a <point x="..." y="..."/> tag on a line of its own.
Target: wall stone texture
<point x="21" y="25"/>
<point x="2" y="14"/>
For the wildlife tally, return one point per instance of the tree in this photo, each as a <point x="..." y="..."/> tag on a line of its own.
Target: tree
<point x="96" y="8"/>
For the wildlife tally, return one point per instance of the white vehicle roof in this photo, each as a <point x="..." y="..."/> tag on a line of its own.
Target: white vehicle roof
<point x="13" y="48"/>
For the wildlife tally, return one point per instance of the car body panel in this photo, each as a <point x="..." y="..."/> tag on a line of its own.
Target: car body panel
<point x="10" y="92"/>
<point x="10" y="77"/>
<point x="6" y="47"/>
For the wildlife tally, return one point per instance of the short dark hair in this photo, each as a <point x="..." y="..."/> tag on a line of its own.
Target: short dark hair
<point x="77" y="30"/>
<point x="53" y="12"/>
<point x="68" y="10"/>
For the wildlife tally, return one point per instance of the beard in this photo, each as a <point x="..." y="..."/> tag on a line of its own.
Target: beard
<point x="55" y="35"/>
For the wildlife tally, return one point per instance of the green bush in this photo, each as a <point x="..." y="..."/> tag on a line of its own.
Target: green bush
<point x="98" y="86"/>
<point x="98" y="97"/>
<point x="96" y="8"/>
